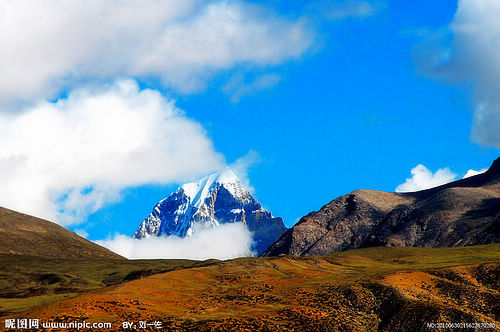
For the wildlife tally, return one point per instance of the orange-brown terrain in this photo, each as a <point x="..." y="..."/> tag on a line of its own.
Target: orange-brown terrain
<point x="387" y="289"/>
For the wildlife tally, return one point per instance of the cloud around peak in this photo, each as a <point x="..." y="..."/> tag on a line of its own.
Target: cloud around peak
<point x="226" y="241"/>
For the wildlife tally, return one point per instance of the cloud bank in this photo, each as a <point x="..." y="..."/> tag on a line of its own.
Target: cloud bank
<point x="55" y="45"/>
<point x="468" y="52"/>
<point x="224" y="242"/>
<point x="66" y="159"/>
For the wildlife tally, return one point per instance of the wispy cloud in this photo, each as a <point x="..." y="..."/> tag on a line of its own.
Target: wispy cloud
<point x="224" y="242"/>
<point x="242" y="166"/>
<point x="240" y="85"/>
<point x="337" y="10"/>
<point x="82" y="232"/>
<point x="354" y="8"/>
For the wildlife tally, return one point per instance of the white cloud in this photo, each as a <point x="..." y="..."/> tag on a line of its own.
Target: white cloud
<point x="65" y="159"/>
<point x="224" y="242"/>
<point x="472" y="172"/>
<point x="422" y="178"/>
<point x="468" y="51"/>
<point x="52" y="45"/>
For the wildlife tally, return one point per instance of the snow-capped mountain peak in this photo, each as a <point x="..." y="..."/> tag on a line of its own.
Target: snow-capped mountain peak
<point x="213" y="200"/>
<point x="198" y="191"/>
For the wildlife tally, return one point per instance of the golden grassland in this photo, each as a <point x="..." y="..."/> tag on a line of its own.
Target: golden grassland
<point x="383" y="288"/>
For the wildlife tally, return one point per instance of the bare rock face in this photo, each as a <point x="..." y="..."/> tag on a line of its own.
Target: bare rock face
<point x="216" y="199"/>
<point x="461" y="213"/>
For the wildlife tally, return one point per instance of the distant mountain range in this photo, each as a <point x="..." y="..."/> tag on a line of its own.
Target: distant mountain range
<point x="217" y="199"/>
<point x="461" y="213"/>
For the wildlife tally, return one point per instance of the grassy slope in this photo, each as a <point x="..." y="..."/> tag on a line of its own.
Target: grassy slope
<point x="395" y="288"/>
<point x="26" y="281"/>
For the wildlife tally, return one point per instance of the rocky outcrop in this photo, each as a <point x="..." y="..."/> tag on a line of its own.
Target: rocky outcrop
<point x="464" y="212"/>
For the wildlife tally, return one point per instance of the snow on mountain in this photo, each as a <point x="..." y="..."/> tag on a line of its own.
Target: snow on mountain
<point x="213" y="200"/>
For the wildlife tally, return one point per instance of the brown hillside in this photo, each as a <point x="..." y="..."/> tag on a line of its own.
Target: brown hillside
<point x="22" y="234"/>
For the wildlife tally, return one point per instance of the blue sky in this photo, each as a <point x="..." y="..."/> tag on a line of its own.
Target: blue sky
<point x="356" y="102"/>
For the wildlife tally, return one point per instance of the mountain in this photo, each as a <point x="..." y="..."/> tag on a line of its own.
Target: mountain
<point x="214" y="200"/>
<point x="21" y="234"/>
<point x="461" y="213"/>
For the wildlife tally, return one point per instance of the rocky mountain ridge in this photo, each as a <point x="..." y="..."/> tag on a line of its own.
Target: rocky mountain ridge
<point x="460" y="213"/>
